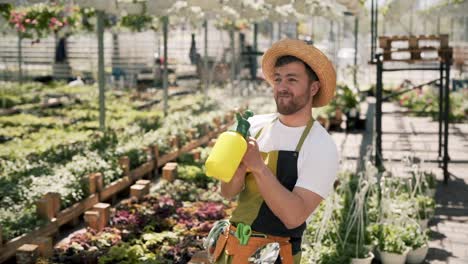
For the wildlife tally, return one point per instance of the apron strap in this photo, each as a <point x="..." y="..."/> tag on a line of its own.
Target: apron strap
<point x="303" y="136"/>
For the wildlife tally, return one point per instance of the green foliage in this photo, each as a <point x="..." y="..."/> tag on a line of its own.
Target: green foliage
<point x="425" y="205"/>
<point x="193" y="174"/>
<point x="346" y="99"/>
<point x="391" y="239"/>
<point x="414" y="237"/>
<point x="425" y="102"/>
<point x="14" y="225"/>
<point x="138" y="22"/>
<point x="54" y="150"/>
<point x="37" y="21"/>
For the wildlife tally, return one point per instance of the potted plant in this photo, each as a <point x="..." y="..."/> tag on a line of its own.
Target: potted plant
<point x="355" y="237"/>
<point x="416" y="239"/>
<point x="430" y="183"/>
<point x="425" y="206"/>
<point x="392" y="249"/>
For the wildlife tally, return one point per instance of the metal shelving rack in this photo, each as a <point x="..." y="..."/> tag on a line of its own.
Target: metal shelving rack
<point x="444" y="58"/>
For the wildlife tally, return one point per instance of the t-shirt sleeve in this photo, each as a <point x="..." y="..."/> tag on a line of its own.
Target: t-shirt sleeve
<point x="258" y="122"/>
<point x="319" y="170"/>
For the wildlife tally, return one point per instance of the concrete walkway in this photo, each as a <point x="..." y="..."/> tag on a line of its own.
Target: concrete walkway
<point x="404" y="134"/>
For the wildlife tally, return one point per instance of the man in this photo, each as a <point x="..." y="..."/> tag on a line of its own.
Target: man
<point x="291" y="163"/>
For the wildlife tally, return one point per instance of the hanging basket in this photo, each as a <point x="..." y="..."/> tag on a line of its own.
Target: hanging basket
<point x="131" y="8"/>
<point x="158" y="7"/>
<point x="101" y="5"/>
<point x="229" y="13"/>
<point x="251" y="13"/>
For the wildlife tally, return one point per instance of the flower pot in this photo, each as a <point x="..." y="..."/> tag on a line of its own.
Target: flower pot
<point x="423" y="223"/>
<point x="431" y="192"/>
<point x="418" y="255"/>
<point x="367" y="260"/>
<point x="392" y="258"/>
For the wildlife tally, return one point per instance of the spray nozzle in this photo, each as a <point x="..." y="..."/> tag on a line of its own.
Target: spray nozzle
<point x="242" y="124"/>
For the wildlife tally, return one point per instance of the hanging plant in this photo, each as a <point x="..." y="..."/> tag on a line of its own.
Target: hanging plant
<point x="89" y="19"/>
<point x="38" y="21"/>
<point x="236" y="25"/>
<point x="139" y="23"/>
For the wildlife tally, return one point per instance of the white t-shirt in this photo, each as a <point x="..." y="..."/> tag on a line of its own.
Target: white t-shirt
<point x="317" y="165"/>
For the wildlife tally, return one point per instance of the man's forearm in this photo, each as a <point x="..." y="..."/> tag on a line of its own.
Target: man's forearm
<point x="287" y="206"/>
<point x="231" y="189"/>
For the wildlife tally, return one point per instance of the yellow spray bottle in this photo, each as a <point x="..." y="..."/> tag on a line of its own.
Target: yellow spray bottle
<point x="229" y="150"/>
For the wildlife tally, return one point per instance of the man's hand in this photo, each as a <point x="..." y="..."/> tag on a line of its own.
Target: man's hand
<point x="252" y="158"/>
<point x="232" y="188"/>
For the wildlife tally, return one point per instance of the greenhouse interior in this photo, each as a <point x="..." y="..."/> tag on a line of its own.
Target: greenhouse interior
<point x="161" y="131"/>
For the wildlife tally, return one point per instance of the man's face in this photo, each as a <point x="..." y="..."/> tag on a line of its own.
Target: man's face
<point x="291" y="88"/>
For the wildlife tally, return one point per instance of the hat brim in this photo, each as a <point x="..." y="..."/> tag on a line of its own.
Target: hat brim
<point x="318" y="61"/>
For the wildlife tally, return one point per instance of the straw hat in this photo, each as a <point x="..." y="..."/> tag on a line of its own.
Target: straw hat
<point x="310" y="55"/>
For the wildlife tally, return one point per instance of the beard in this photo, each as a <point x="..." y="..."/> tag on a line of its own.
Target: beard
<point x="288" y="104"/>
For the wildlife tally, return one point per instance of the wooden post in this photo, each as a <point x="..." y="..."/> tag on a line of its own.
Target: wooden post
<point x="48" y="206"/>
<point x="104" y="214"/>
<point x="212" y="142"/>
<point x="170" y="171"/>
<point x="175" y="142"/>
<point x="99" y="181"/>
<point x="145" y="183"/>
<point x="189" y="134"/>
<point x="194" y="131"/>
<point x="124" y="163"/>
<point x="206" y="129"/>
<point x="74" y="222"/>
<point x="217" y="121"/>
<point x="196" y="155"/>
<point x="92" y="219"/>
<point x="45" y="246"/>
<point x="27" y="254"/>
<point x="92" y="183"/>
<point x="55" y="199"/>
<point x="138" y="191"/>
<point x="155" y="155"/>
<point x="149" y="153"/>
